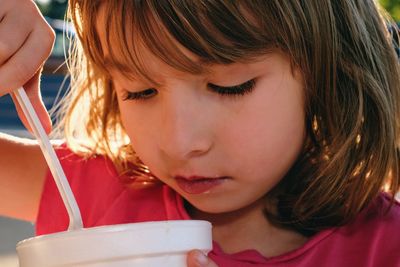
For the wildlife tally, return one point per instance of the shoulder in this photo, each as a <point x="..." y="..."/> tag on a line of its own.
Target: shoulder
<point x="69" y="158"/>
<point x="82" y="168"/>
<point x="89" y="178"/>
<point x="371" y="239"/>
<point x="382" y="215"/>
<point x="380" y="221"/>
<point x="374" y="234"/>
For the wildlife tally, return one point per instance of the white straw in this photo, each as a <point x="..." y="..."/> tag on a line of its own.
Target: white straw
<point x="75" y="219"/>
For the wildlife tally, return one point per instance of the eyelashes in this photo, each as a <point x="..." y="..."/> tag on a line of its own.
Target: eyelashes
<point x="237" y="90"/>
<point x="145" y="94"/>
<point x="231" y="91"/>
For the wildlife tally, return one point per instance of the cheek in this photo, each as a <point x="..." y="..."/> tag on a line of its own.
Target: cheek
<point x="269" y="134"/>
<point x="137" y="128"/>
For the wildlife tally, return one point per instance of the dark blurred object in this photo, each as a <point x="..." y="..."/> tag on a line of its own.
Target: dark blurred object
<point x="53" y="8"/>
<point x="56" y="62"/>
<point x="395" y="33"/>
<point x="396" y="39"/>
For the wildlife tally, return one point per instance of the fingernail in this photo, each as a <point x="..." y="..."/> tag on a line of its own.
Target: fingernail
<point x="201" y="259"/>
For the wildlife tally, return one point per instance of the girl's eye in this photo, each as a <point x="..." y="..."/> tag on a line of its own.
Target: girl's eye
<point x="237" y="90"/>
<point x="142" y="95"/>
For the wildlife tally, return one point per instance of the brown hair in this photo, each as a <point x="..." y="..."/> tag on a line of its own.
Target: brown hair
<point x="345" y="53"/>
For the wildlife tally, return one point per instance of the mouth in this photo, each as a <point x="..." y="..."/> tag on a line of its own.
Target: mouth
<point x="198" y="184"/>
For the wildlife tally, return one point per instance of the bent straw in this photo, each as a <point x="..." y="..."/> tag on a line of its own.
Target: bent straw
<point x="75" y="219"/>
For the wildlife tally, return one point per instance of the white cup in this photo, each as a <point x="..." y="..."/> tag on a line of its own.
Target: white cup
<point x="150" y="244"/>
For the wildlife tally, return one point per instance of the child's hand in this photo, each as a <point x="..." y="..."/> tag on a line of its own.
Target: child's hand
<point x="196" y="258"/>
<point x="26" y="41"/>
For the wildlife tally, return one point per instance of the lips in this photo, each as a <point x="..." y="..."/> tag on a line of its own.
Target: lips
<point x="198" y="184"/>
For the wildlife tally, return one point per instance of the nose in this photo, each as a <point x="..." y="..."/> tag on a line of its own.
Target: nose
<point x="186" y="128"/>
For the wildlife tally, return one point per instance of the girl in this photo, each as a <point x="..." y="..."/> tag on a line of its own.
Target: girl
<point x="277" y="121"/>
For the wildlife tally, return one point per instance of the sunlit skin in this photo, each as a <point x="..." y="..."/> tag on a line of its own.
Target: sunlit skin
<point x="185" y="128"/>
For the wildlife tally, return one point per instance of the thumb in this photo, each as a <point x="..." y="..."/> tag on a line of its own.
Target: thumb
<point x="197" y="258"/>
<point x="33" y="92"/>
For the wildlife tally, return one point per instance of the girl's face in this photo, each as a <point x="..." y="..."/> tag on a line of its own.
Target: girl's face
<point x="223" y="139"/>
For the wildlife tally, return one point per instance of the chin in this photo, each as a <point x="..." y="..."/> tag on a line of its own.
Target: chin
<point x="214" y="206"/>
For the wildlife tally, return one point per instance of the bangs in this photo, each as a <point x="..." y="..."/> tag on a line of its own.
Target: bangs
<point x="212" y="33"/>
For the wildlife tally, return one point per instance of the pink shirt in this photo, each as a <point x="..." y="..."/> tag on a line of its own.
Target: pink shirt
<point x="373" y="239"/>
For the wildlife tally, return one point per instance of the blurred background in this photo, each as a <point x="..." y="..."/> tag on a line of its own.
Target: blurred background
<point x="54" y="83"/>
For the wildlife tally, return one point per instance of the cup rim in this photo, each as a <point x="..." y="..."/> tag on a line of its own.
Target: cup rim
<point x="115" y="228"/>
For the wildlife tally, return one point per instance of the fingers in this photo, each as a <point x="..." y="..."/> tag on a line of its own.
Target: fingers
<point x="11" y="39"/>
<point x="197" y="258"/>
<point x="26" y="41"/>
<point x="20" y="68"/>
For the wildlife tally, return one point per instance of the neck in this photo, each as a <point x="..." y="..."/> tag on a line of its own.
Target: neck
<point x="248" y="228"/>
